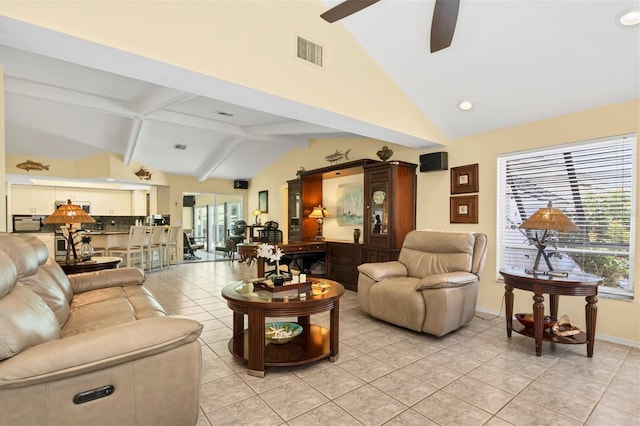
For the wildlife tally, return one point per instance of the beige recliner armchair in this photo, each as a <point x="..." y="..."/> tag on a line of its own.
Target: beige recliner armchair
<point x="432" y="287"/>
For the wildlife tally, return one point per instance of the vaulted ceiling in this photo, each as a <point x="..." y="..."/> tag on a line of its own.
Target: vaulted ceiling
<point x="515" y="61"/>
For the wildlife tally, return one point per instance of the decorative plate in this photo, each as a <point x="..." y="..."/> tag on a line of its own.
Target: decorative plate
<point x="378" y="197"/>
<point x="281" y="332"/>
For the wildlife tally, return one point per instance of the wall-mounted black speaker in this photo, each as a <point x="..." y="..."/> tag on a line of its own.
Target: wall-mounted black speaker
<point x="436" y="161"/>
<point x="188" y="200"/>
<point x="241" y="184"/>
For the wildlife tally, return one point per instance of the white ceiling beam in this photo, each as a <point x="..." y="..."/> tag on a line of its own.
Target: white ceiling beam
<point x="70" y="98"/>
<point x="161" y="99"/>
<point x="288" y="128"/>
<point x="134" y="137"/>
<point x="216" y="159"/>
<point x="221" y="127"/>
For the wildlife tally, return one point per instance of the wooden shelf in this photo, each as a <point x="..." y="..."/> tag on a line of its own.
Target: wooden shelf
<point x="577" y="339"/>
<point x="311" y="345"/>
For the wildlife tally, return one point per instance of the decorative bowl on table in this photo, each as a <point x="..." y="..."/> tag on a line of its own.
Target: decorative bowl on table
<point x="527" y="320"/>
<point x="280" y="333"/>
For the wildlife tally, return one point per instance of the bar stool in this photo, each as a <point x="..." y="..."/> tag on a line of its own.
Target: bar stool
<point x="133" y="252"/>
<point x="154" y="247"/>
<point x="171" y="252"/>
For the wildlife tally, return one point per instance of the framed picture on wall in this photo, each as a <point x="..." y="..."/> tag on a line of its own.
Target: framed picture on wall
<point x="463" y="209"/>
<point x="464" y="179"/>
<point x="263" y="201"/>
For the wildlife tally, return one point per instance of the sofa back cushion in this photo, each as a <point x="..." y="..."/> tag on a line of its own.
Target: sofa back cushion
<point x="427" y="253"/>
<point x="23" y="249"/>
<point x="25" y="320"/>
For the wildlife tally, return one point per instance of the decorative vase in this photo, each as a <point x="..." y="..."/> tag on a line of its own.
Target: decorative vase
<point x="86" y="251"/>
<point x="356" y="235"/>
<point x="278" y="280"/>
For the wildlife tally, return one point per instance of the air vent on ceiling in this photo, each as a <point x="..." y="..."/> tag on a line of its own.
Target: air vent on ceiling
<point x="180" y="146"/>
<point x="309" y="51"/>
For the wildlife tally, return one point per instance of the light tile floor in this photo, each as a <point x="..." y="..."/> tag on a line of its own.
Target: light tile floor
<point x="392" y="376"/>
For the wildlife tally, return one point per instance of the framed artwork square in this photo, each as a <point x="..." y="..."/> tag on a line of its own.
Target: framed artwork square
<point x="463" y="209"/>
<point x="464" y="179"/>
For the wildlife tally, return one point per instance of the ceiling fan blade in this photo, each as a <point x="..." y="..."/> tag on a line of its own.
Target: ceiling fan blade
<point x="345" y="9"/>
<point x="445" y="15"/>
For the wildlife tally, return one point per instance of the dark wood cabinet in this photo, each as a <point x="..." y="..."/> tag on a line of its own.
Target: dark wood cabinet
<point x="342" y="263"/>
<point x="390" y="208"/>
<point x="294" y="221"/>
<point x="390" y="213"/>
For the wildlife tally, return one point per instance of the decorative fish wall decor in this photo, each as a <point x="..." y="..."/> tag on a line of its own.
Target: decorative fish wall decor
<point x="32" y="165"/>
<point x="143" y="173"/>
<point x="338" y="155"/>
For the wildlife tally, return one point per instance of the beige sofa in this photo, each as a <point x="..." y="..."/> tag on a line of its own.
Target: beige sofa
<point x="432" y="287"/>
<point x="65" y="340"/>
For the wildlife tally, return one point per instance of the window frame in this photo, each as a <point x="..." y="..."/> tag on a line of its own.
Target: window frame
<point x="504" y="224"/>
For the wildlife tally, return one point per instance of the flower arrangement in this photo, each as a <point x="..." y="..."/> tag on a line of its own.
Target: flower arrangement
<point x="273" y="254"/>
<point x="85" y="239"/>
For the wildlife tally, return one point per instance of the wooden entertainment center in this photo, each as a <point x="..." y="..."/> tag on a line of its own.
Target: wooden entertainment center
<point x="389" y="194"/>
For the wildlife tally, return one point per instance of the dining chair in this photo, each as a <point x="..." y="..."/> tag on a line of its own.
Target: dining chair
<point x="153" y="248"/>
<point x="133" y="252"/>
<point x="171" y="249"/>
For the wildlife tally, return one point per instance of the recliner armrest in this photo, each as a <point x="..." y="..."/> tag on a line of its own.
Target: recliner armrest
<point x="92" y="351"/>
<point x="382" y="270"/>
<point x="448" y="280"/>
<point x="88" y="281"/>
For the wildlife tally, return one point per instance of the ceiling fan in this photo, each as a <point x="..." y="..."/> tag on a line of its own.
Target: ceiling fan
<point x="445" y="15"/>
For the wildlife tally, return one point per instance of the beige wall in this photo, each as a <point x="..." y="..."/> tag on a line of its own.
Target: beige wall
<point x="617" y="319"/>
<point x="3" y="185"/>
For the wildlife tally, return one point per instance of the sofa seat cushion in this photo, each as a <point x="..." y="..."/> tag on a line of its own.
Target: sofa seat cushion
<point x="396" y="300"/>
<point x="450" y="280"/>
<point x="110" y="306"/>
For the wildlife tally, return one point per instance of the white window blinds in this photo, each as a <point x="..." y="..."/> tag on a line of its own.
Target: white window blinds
<point x="592" y="183"/>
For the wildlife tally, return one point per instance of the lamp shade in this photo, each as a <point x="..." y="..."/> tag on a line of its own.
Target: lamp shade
<point x="319" y="213"/>
<point x="257" y="212"/>
<point x="549" y="218"/>
<point x="69" y="213"/>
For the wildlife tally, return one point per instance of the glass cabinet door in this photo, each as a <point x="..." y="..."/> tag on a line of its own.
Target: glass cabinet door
<point x="379" y="220"/>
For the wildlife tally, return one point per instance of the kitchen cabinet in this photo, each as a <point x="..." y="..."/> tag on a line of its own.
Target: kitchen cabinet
<point x="139" y="203"/>
<point x="106" y="202"/>
<point x="390" y="208"/>
<point x="74" y="194"/>
<point x="30" y="199"/>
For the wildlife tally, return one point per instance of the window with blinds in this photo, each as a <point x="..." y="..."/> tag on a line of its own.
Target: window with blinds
<point x="593" y="184"/>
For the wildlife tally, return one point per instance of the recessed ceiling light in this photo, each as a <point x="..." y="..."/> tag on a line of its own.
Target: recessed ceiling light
<point x="630" y="18"/>
<point x="465" y="105"/>
<point x="226" y="114"/>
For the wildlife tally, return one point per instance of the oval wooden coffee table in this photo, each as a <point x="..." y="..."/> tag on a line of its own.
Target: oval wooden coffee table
<point x="314" y="343"/>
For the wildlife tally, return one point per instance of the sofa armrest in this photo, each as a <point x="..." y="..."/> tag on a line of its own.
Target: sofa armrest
<point x="448" y="280"/>
<point x="382" y="270"/>
<point x="88" y="281"/>
<point x="82" y="353"/>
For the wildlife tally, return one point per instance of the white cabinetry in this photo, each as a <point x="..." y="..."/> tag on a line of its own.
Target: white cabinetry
<point x="106" y="202"/>
<point x="73" y="194"/>
<point x="139" y="203"/>
<point x="29" y="199"/>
